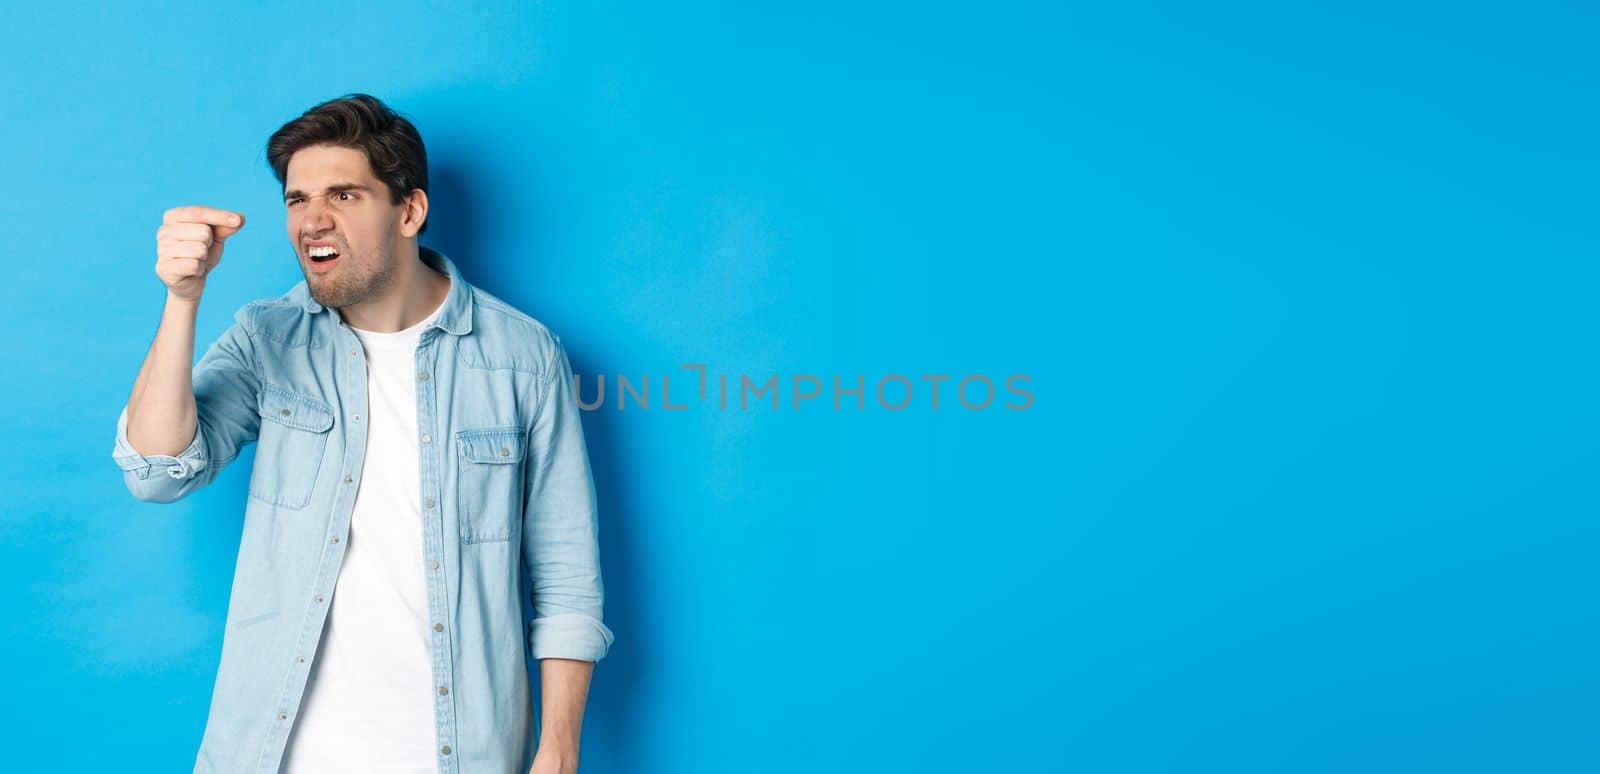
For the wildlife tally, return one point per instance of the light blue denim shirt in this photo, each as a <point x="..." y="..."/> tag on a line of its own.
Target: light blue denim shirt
<point x="505" y="484"/>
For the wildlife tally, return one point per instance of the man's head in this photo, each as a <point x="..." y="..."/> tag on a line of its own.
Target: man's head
<point x="355" y="177"/>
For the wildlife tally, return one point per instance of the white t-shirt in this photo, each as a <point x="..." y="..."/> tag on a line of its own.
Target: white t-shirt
<point x="368" y="706"/>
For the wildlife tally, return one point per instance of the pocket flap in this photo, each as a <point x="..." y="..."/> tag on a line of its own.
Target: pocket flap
<point x="495" y="444"/>
<point x="294" y="410"/>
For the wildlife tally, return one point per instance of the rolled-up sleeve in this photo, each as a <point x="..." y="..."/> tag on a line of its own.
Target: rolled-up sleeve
<point x="561" y="527"/>
<point x="226" y="392"/>
<point x="138" y="468"/>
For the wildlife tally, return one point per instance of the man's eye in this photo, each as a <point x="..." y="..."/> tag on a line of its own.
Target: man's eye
<point x="292" y="202"/>
<point x="349" y="194"/>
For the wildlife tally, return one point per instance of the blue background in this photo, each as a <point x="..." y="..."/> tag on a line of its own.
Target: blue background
<point x="1306" y="296"/>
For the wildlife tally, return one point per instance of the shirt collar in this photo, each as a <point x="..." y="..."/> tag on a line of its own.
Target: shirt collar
<point x="455" y="316"/>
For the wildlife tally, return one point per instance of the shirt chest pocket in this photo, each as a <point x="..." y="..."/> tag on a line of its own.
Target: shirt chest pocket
<point x="294" y="436"/>
<point x="489" y="479"/>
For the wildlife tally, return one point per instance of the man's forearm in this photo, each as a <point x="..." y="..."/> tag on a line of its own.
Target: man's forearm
<point x="161" y="409"/>
<point x="564" y="685"/>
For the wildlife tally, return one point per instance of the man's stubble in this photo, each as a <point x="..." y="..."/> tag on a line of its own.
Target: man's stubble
<point x="347" y="285"/>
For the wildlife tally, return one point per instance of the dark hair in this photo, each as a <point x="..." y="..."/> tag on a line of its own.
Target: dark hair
<point x="362" y="122"/>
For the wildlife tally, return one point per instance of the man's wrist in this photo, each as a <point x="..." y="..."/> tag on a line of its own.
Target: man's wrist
<point x="181" y="304"/>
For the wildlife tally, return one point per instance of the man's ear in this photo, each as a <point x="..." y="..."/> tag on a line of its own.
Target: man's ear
<point x="416" y="212"/>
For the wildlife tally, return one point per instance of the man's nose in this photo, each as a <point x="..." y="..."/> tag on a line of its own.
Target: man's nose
<point x="314" y="216"/>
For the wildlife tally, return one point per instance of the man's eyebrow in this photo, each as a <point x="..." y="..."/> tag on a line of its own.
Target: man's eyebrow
<point x="336" y="187"/>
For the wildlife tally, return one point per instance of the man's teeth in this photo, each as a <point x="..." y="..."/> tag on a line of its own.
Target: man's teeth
<point x="322" y="252"/>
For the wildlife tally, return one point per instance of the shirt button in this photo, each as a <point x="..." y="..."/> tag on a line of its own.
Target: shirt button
<point x="352" y="353"/>
<point x="301" y="659"/>
<point x="445" y="749"/>
<point x="347" y="479"/>
<point x="286" y="412"/>
<point x="428" y="503"/>
<point x="356" y="417"/>
<point x="283" y="715"/>
<point x="443" y="690"/>
<point x="438" y="627"/>
<point x="433" y="565"/>
<point x="319" y="597"/>
<point x="427" y="438"/>
<point x="335" y="538"/>
<point x="504" y="452"/>
<point x="423" y="376"/>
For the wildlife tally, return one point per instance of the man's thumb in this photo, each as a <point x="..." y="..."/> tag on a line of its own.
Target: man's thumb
<point x="223" y="232"/>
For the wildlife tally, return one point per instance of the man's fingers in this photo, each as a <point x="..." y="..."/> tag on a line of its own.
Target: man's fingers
<point x="208" y="215"/>
<point x="223" y="232"/>
<point x="186" y="232"/>
<point x="186" y="249"/>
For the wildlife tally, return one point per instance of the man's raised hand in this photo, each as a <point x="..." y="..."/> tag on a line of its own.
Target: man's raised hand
<point x="189" y="245"/>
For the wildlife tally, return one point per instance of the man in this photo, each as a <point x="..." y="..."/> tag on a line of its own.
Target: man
<point x="417" y="444"/>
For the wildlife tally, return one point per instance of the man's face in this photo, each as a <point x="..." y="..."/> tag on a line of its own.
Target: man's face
<point x="333" y="199"/>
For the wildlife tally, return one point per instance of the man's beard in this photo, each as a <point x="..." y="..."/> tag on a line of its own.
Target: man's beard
<point x="346" y="285"/>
